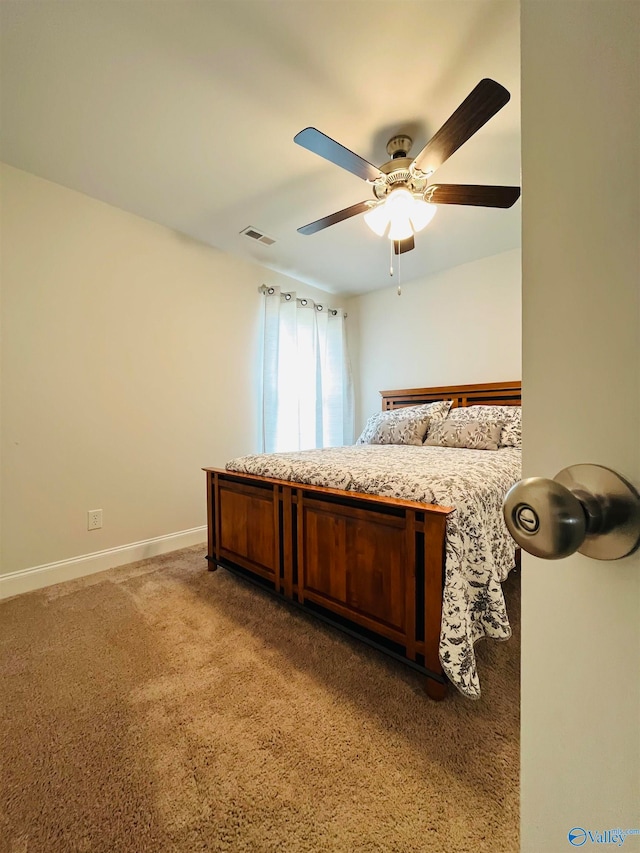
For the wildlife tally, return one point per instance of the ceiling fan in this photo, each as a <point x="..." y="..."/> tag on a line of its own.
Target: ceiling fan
<point x="405" y="201"/>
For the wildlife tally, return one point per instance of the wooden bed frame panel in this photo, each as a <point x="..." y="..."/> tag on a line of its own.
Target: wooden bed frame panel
<point x="488" y="394"/>
<point x="370" y="565"/>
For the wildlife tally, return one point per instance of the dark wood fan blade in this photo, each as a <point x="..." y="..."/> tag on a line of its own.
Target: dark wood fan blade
<point x="480" y="196"/>
<point x="313" y="140"/>
<point x="402" y="246"/>
<point x="326" y="221"/>
<point x="477" y="108"/>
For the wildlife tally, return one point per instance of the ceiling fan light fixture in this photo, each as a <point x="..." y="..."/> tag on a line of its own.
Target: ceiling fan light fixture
<point x="403" y="206"/>
<point x="400" y="212"/>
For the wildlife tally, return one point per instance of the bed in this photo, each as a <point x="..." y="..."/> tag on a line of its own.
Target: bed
<point x="412" y="566"/>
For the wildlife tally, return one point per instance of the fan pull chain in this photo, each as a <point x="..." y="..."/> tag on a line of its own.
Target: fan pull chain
<point x="392" y="245"/>
<point x="391" y="248"/>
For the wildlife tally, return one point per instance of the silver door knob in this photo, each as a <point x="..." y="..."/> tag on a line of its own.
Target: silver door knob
<point x="585" y="508"/>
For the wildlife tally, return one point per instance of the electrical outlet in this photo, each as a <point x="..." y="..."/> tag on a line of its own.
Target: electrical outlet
<point x="94" y="519"/>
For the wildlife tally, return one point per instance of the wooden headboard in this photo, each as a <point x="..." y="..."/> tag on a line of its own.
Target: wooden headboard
<point x="487" y="394"/>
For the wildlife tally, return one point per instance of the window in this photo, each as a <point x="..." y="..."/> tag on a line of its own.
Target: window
<point x="307" y="392"/>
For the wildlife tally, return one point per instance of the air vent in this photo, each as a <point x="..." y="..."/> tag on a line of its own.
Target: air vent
<point x="254" y="234"/>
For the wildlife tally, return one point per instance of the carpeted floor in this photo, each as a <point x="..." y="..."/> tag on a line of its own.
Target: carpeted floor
<point x="160" y="707"/>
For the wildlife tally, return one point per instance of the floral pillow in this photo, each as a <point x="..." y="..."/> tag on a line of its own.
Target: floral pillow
<point x="434" y="411"/>
<point x="474" y="435"/>
<point x="411" y="430"/>
<point x="511" y="417"/>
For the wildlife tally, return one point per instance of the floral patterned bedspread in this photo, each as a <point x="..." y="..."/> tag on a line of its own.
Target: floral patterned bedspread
<point x="479" y="550"/>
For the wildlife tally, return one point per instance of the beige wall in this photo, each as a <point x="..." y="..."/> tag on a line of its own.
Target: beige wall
<point x="462" y="325"/>
<point x="128" y="362"/>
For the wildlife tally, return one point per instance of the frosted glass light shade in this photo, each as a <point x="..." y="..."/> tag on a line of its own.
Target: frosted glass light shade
<point x="377" y="219"/>
<point x="399" y="202"/>
<point x="401" y="213"/>
<point x="400" y="228"/>
<point x="422" y="214"/>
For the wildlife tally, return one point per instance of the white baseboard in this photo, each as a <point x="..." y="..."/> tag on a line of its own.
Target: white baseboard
<point x="27" y="580"/>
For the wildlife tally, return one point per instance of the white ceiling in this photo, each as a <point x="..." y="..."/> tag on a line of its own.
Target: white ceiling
<point x="185" y="113"/>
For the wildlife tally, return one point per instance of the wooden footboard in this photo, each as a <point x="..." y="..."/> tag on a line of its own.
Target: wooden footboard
<point x="372" y="566"/>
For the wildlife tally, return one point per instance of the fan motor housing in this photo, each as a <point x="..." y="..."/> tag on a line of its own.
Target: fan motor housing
<point x="398" y="173"/>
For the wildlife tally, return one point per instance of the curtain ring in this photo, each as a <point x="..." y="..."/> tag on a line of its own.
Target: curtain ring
<point x="303" y="302"/>
<point x="270" y="291"/>
<point x="287" y="296"/>
<point x="319" y="307"/>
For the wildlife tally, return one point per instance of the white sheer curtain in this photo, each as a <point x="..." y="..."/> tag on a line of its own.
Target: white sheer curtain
<point x="307" y="392"/>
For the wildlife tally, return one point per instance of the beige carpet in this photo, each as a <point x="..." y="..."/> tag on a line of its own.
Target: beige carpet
<point x="161" y="707"/>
